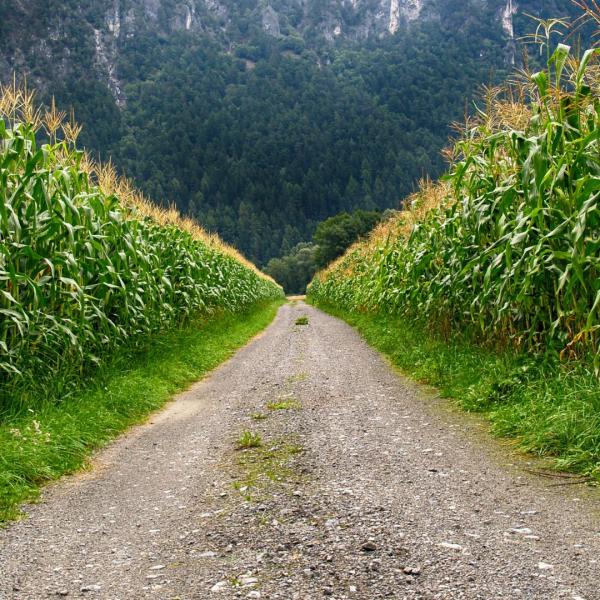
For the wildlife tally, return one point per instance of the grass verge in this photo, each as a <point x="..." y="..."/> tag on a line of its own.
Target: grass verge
<point x="40" y="446"/>
<point x="550" y="409"/>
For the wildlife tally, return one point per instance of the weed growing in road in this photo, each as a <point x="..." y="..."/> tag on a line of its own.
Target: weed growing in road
<point x="249" y="439"/>
<point x="267" y="465"/>
<point x="284" y="404"/>
<point x="297" y="378"/>
<point x="302" y="321"/>
<point x="258" y="416"/>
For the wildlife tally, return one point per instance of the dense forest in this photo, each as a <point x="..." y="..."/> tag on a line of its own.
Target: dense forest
<point x="262" y="136"/>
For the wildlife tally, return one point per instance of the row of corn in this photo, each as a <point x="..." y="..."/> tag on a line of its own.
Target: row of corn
<point x="507" y="245"/>
<point x="86" y="263"/>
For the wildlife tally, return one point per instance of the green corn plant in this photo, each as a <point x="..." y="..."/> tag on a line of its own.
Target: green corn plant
<point x="511" y="253"/>
<point x="81" y="272"/>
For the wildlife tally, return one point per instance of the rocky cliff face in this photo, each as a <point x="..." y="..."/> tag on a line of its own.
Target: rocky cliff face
<point x="91" y="33"/>
<point x="346" y="19"/>
<point x="327" y="20"/>
<point x="335" y="18"/>
<point x="105" y="25"/>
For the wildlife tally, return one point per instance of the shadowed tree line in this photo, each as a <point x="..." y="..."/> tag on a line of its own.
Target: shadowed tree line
<point x="331" y="239"/>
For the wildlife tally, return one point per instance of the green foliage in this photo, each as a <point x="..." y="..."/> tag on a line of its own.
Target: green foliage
<point x="302" y="321"/>
<point x="336" y="234"/>
<point x="332" y="237"/>
<point x="285" y="404"/>
<point x="511" y="252"/>
<point x="295" y="270"/>
<point x="81" y="274"/>
<point x="265" y="466"/>
<point x="263" y="154"/>
<point x="41" y="445"/>
<point x="249" y="439"/>
<point x="266" y="136"/>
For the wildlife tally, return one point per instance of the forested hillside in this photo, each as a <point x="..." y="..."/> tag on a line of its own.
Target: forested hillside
<point x="263" y="119"/>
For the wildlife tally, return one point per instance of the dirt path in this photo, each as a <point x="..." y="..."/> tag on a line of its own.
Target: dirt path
<point x="364" y="487"/>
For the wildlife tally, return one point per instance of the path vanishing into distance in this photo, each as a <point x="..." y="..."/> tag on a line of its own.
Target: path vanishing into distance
<point x="365" y="486"/>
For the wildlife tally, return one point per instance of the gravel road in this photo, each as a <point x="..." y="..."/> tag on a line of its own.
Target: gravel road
<point x="365" y="486"/>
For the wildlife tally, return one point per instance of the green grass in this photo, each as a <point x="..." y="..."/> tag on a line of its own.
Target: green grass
<point x="41" y="445"/>
<point x="302" y="321"/>
<point x="249" y="439"/>
<point x="284" y="404"/>
<point x="550" y="409"/>
<point x="298" y="378"/>
<point x="258" y="416"/>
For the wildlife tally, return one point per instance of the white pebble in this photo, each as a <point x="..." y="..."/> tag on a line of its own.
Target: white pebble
<point x="450" y="546"/>
<point x="521" y="531"/>
<point x="219" y="587"/>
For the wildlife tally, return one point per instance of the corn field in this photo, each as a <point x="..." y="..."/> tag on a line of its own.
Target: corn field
<point x="507" y="245"/>
<point x="87" y="264"/>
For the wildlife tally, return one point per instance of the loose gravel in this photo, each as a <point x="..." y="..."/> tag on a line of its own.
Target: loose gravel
<point x="364" y="486"/>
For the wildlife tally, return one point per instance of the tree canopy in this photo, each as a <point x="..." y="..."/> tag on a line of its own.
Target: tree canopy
<point x="331" y="239"/>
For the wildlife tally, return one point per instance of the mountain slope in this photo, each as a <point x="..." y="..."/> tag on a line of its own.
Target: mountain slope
<point x="263" y="118"/>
